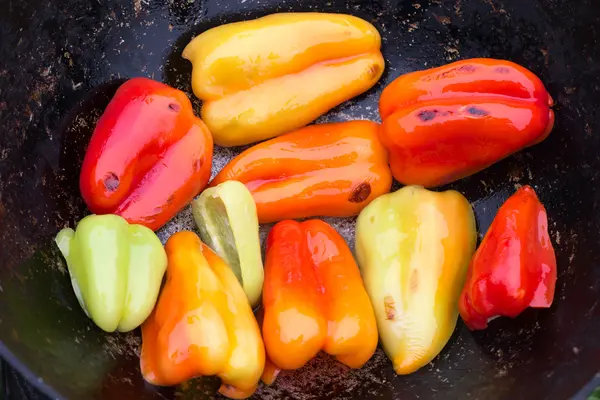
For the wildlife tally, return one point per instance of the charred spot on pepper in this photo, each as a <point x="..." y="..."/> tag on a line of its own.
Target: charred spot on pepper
<point x="374" y="71"/>
<point x="467" y="68"/>
<point x="451" y="73"/>
<point x="478" y="112"/>
<point x="502" y="70"/>
<point x="111" y="181"/>
<point x="360" y="193"/>
<point x="427" y="115"/>
<point x="389" y="306"/>
<point x="174" y="107"/>
<point x="198" y="164"/>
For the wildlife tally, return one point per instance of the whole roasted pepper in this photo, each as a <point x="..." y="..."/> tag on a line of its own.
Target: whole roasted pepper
<point x="202" y="324"/>
<point x="227" y="221"/>
<point x="446" y="123"/>
<point x="148" y="156"/>
<point x="413" y="247"/>
<point x="514" y="267"/>
<point x="320" y="170"/>
<point x="116" y="269"/>
<point x="314" y="298"/>
<point x="261" y="78"/>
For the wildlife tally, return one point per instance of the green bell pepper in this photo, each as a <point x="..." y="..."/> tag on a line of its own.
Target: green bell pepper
<point x="116" y="269"/>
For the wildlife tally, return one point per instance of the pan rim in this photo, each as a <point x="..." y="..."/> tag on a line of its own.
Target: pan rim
<point x="37" y="382"/>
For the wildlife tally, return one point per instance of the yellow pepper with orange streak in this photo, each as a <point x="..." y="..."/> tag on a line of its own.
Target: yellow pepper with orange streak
<point x="261" y="78"/>
<point x="202" y="324"/>
<point x="314" y="299"/>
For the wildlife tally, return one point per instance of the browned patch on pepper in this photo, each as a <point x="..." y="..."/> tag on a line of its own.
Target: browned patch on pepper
<point x="111" y="181"/>
<point x="427" y="115"/>
<point x="197" y="164"/>
<point x="477" y="111"/>
<point x="414" y="281"/>
<point x="374" y="71"/>
<point x="360" y="193"/>
<point x="467" y="68"/>
<point x="390" y="307"/>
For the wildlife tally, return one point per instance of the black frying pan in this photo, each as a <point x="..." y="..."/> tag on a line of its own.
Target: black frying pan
<point x="61" y="61"/>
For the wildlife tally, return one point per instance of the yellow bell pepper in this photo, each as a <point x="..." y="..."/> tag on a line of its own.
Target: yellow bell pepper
<point x="413" y="247"/>
<point x="261" y="78"/>
<point x="202" y="324"/>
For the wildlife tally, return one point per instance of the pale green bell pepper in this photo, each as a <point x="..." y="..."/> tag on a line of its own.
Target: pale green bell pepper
<point x="228" y="224"/>
<point x="116" y="269"/>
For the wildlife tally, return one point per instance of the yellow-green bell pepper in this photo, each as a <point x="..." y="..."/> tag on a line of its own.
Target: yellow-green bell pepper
<point x="116" y="269"/>
<point x="414" y="247"/>
<point x="228" y="223"/>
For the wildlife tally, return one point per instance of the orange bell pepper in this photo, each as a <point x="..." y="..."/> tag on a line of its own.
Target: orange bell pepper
<point x="321" y="170"/>
<point x="258" y="79"/>
<point x="202" y="324"/>
<point x="446" y="123"/>
<point x="514" y="267"/>
<point x="314" y="298"/>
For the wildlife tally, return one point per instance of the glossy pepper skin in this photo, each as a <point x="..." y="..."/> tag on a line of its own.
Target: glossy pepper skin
<point x="413" y="247"/>
<point x="314" y="298"/>
<point x="148" y="156"/>
<point x="446" y="123"/>
<point x="227" y="221"/>
<point x="116" y="269"/>
<point x="320" y="170"/>
<point x="202" y="324"/>
<point x="514" y="267"/>
<point x="258" y="79"/>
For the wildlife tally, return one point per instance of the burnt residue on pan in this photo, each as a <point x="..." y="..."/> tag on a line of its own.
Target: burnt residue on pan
<point x="60" y="63"/>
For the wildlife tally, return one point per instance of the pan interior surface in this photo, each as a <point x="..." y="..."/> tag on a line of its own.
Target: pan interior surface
<point x="60" y="63"/>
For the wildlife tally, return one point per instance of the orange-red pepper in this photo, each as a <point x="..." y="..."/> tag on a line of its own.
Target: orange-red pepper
<point x="202" y="324"/>
<point x="148" y="156"/>
<point x="446" y="123"/>
<point x="314" y="298"/>
<point x="514" y="267"/>
<point x="320" y="170"/>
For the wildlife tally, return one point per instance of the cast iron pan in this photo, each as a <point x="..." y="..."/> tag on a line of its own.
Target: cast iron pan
<point x="60" y="63"/>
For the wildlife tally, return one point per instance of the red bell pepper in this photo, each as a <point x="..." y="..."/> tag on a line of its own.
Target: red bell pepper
<point x="148" y="156"/>
<point x="514" y="267"/>
<point x="446" y="123"/>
